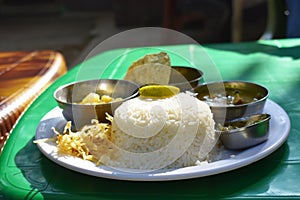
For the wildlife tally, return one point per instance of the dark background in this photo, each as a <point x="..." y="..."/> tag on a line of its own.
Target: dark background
<point x="74" y="26"/>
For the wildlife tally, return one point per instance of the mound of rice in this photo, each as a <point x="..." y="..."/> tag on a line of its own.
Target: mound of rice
<point x="150" y="134"/>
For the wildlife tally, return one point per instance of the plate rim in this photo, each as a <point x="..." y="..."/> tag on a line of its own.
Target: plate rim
<point x="267" y="147"/>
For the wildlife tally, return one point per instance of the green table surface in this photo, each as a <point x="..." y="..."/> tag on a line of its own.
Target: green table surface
<point x="25" y="173"/>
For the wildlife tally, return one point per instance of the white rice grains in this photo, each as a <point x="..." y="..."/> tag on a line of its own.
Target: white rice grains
<point x="150" y="134"/>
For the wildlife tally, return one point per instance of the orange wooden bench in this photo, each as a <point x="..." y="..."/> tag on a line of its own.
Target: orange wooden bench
<point x="23" y="76"/>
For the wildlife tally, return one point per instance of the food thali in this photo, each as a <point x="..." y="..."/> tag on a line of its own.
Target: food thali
<point x="143" y="128"/>
<point x="230" y="160"/>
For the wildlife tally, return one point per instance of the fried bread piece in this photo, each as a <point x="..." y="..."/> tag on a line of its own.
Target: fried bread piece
<point x="151" y="69"/>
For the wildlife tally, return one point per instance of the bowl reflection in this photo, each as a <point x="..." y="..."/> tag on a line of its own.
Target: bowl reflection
<point x="69" y="97"/>
<point x="230" y="100"/>
<point x="185" y="78"/>
<point x="245" y="132"/>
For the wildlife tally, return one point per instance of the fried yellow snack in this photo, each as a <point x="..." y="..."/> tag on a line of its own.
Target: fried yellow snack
<point x="90" y="143"/>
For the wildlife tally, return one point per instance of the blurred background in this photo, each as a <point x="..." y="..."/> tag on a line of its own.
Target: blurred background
<point x="73" y="27"/>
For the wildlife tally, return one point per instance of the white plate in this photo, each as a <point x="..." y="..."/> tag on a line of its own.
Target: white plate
<point x="279" y="131"/>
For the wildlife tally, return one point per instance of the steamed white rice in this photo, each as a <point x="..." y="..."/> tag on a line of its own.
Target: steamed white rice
<point x="153" y="134"/>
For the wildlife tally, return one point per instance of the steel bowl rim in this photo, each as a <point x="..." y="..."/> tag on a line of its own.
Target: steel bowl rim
<point x="189" y="67"/>
<point x="96" y="105"/>
<point x="240" y="105"/>
<point x="237" y="130"/>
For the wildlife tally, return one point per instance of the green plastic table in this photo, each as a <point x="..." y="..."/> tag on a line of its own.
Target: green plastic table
<point x="25" y="173"/>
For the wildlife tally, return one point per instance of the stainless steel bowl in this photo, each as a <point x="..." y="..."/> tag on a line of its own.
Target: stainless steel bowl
<point x="185" y="78"/>
<point x="245" y="132"/>
<point x="68" y="98"/>
<point x="253" y="99"/>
